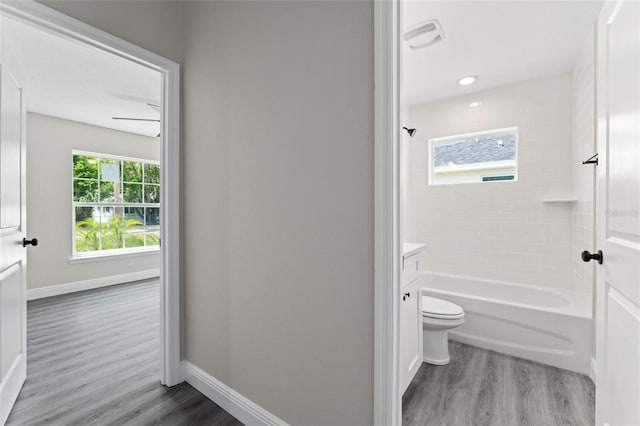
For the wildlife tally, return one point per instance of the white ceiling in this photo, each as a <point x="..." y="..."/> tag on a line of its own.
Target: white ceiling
<point x="67" y="79"/>
<point x="502" y="42"/>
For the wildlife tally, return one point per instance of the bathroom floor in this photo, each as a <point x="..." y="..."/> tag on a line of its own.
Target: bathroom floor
<point x="481" y="387"/>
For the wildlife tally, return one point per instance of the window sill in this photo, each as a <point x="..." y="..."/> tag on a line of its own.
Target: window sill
<point x="113" y="255"/>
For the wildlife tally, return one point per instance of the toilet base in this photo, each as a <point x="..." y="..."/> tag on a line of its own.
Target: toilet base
<point x="436" y="361"/>
<point x="435" y="345"/>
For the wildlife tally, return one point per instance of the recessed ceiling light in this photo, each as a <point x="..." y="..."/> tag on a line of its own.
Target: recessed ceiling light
<point x="465" y="81"/>
<point x="475" y="104"/>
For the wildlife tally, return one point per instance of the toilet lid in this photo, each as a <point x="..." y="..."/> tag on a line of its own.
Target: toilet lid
<point x="432" y="306"/>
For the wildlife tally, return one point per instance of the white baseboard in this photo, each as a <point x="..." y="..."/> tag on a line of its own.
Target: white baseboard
<point x="56" y="290"/>
<point x="594" y="370"/>
<point x="243" y="409"/>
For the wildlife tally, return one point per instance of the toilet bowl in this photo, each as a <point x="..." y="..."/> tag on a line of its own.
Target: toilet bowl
<point x="438" y="316"/>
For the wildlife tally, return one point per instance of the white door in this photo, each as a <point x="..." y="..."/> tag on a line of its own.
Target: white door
<point x="13" y="305"/>
<point x="618" y="215"/>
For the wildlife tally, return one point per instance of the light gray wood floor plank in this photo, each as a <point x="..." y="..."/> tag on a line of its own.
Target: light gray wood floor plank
<point x="92" y="359"/>
<point x="480" y="387"/>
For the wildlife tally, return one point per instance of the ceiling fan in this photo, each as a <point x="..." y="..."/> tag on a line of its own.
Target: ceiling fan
<point x="153" y="106"/>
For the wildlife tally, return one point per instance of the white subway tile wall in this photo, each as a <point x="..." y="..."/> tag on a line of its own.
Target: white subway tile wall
<point x="499" y="230"/>
<point x="583" y="147"/>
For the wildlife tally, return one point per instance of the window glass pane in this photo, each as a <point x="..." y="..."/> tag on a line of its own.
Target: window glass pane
<point x="131" y="172"/>
<point x="134" y="227"/>
<point x="152" y="216"/>
<point x="111" y="217"/>
<point x="109" y="170"/>
<point x="473" y="158"/>
<point x="152" y="238"/>
<point x="87" y="235"/>
<point x="85" y="191"/>
<point x="85" y="214"/>
<point x="111" y="228"/>
<point x="152" y="173"/>
<point x="151" y="193"/>
<point x="134" y="214"/>
<point x="134" y="238"/>
<point x="132" y="192"/>
<point x="109" y="180"/>
<point x="109" y="192"/>
<point x="85" y="167"/>
<point x="152" y="226"/>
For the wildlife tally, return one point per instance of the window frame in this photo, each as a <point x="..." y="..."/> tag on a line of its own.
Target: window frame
<point x="119" y="252"/>
<point x="433" y="141"/>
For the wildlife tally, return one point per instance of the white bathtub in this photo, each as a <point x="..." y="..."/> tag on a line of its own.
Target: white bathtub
<point x="549" y="326"/>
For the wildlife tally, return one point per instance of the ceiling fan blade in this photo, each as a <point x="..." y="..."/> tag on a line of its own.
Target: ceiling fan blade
<point x="135" y="119"/>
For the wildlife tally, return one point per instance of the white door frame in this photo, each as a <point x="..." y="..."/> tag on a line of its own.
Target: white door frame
<point x="47" y="19"/>
<point x="387" y="395"/>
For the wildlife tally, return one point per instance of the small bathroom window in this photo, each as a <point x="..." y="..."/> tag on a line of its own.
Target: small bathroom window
<point x="488" y="156"/>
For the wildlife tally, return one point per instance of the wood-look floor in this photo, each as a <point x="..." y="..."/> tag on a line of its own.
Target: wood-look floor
<point x="480" y="387"/>
<point x="92" y="359"/>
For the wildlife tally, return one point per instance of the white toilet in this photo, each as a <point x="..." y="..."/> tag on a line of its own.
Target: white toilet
<point x="438" y="316"/>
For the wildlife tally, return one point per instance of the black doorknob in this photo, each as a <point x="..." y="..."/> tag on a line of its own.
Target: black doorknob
<point x="586" y="256"/>
<point x="33" y="242"/>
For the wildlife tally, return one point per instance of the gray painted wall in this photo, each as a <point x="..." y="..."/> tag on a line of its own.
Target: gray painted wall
<point x="49" y="144"/>
<point x="279" y="101"/>
<point x="154" y="25"/>
<point x="278" y="221"/>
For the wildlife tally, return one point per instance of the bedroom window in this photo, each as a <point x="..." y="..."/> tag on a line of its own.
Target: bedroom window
<point x="116" y="205"/>
<point x="488" y="156"/>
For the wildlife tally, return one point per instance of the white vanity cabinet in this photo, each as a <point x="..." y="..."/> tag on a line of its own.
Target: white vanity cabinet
<point x="410" y="333"/>
<point x="410" y="315"/>
<point x="411" y="254"/>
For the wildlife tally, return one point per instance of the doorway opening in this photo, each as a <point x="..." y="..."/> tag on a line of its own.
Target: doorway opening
<point x="99" y="166"/>
<point x="497" y="209"/>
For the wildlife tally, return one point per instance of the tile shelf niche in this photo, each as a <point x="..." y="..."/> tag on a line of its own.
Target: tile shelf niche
<point x="559" y="200"/>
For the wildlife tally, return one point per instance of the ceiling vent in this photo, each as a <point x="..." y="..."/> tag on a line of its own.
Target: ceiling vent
<point x="424" y="34"/>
